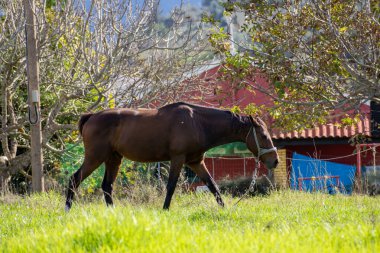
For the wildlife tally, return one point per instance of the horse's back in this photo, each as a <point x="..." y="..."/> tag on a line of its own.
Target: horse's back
<point x="144" y="135"/>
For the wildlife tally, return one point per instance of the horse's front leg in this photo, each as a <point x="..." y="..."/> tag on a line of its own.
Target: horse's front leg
<point x="174" y="172"/>
<point x="200" y="169"/>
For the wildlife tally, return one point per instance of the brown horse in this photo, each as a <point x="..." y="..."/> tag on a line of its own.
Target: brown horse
<point x="178" y="132"/>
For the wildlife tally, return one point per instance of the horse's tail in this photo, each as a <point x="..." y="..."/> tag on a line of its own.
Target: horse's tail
<point x="83" y="119"/>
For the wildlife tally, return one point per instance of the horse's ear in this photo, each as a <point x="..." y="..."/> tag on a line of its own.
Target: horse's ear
<point x="254" y="121"/>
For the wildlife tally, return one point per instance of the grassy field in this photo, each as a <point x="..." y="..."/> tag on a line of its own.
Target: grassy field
<point x="283" y="222"/>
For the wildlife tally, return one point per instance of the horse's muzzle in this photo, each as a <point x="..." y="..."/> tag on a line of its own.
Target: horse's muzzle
<point x="272" y="164"/>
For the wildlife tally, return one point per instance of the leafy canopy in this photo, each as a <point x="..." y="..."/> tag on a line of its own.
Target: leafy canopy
<point x="318" y="56"/>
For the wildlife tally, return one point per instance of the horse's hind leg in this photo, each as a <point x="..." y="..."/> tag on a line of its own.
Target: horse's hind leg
<point x="202" y="172"/>
<point x="174" y="172"/>
<point x="88" y="166"/>
<point x="112" y="168"/>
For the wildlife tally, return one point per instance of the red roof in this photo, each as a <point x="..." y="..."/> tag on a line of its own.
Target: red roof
<point x="329" y="130"/>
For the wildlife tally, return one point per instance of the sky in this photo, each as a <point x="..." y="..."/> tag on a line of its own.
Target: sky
<point x="167" y="5"/>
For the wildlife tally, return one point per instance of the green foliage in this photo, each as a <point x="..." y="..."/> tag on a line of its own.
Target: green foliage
<point x="283" y="222"/>
<point x="250" y="109"/>
<point x="209" y="19"/>
<point x="348" y="121"/>
<point x="253" y="109"/>
<point x="219" y="39"/>
<point x="130" y="172"/>
<point x="71" y="161"/>
<point x="235" y="109"/>
<point x="317" y="55"/>
<point x="51" y="3"/>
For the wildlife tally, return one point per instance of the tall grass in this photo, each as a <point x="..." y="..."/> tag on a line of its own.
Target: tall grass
<point x="282" y="222"/>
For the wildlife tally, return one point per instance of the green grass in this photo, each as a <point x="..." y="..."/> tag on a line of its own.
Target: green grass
<point x="283" y="222"/>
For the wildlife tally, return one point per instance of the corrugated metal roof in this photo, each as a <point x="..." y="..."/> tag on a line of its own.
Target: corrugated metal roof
<point x="329" y="130"/>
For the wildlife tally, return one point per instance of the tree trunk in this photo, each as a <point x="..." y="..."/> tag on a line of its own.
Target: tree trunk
<point x="4" y="173"/>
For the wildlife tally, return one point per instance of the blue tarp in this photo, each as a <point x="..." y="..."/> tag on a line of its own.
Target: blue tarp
<point x="304" y="166"/>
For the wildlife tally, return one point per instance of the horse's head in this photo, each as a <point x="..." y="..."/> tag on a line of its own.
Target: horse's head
<point x="259" y="142"/>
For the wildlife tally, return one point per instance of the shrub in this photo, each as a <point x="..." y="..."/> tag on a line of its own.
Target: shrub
<point x="239" y="186"/>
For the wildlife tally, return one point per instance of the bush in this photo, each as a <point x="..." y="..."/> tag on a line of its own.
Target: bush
<point x="130" y="172"/>
<point x="239" y="186"/>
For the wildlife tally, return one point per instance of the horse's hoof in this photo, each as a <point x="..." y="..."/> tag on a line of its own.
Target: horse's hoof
<point x="67" y="208"/>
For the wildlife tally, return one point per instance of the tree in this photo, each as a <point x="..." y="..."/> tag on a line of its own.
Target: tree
<point x="317" y="55"/>
<point x="92" y="55"/>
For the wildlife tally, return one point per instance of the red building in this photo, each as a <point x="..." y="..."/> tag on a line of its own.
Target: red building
<point x="326" y="142"/>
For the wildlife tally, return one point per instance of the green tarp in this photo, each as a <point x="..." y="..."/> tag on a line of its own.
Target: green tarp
<point x="231" y="149"/>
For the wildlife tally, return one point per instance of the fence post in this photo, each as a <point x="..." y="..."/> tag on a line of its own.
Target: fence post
<point x="244" y="167"/>
<point x="358" y="168"/>
<point x="213" y="168"/>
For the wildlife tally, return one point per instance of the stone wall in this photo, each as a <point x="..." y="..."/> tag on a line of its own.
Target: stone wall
<point x="280" y="173"/>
